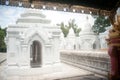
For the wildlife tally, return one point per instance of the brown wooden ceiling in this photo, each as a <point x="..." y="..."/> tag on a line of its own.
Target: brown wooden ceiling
<point x="103" y="7"/>
<point x="98" y="4"/>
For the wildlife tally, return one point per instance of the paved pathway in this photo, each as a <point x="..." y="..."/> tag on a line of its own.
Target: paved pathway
<point x="86" y="77"/>
<point x="2" y="62"/>
<point x="68" y="73"/>
<point x="2" y="57"/>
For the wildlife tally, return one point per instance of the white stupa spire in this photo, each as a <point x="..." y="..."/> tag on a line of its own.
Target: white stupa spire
<point x="87" y="25"/>
<point x="71" y="33"/>
<point x="87" y="29"/>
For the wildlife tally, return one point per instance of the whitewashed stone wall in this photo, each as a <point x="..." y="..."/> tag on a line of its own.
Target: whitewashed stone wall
<point x="94" y="61"/>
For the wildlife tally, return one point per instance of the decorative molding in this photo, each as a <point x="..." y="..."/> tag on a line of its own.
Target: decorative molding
<point x="93" y="61"/>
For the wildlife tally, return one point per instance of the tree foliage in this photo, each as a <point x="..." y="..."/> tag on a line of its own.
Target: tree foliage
<point x="74" y="27"/>
<point x="100" y="24"/>
<point x="2" y="43"/>
<point x="64" y="28"/>
<point x="71" y="24"/>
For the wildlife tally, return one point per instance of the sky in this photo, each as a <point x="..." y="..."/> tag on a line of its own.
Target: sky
<point x="9" y="15"/>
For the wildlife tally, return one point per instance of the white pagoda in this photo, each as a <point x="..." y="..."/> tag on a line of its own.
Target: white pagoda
<point x="32" y="41"/>
<point x="88" y="40"/>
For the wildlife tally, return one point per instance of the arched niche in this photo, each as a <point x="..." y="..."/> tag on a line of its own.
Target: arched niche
<point x="35" y="54"/>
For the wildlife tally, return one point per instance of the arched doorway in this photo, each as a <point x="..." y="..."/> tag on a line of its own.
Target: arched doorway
<point x="35" y="54"/>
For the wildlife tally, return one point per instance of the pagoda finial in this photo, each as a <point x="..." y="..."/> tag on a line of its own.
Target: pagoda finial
<point x="87" y="18"/>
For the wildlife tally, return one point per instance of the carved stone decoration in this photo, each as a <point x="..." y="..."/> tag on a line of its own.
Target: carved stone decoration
<point x="114" y="47"/>
<point x="94" y="61"/>
<point x="32" y="38"/>
<point x="87" y="38"/>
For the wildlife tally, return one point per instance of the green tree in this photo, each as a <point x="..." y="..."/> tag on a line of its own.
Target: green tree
<point x="2" y="43"/>
<point x="64" y="28"/>
<point x="71" y="24"/>
<point x="100" y="24"/>
<point x="74" y="27"/>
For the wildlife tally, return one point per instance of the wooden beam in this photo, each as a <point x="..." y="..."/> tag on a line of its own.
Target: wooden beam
<point x="60" y="7"/>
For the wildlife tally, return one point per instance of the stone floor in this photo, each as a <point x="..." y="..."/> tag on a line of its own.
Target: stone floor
<point x="86" y="77"/>
<point x="2" y="60"/>
<point x="2" y="57"/>
<point x="67" y="73"/>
